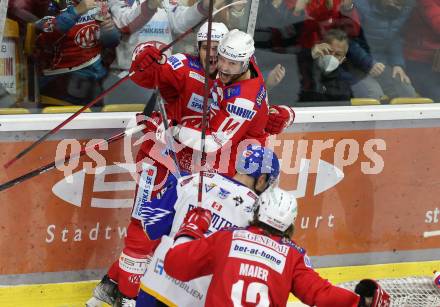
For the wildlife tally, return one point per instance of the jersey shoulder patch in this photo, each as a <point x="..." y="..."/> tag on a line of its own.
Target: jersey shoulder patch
<point x="232" y="91"/>
<point x="194" y="63"/>
<point x="176" y="60"/>
<point x="183" y="181"/>
<point x="261" y="96"/>
<point x="293" y="245"/>
<point x="233" y="228"/>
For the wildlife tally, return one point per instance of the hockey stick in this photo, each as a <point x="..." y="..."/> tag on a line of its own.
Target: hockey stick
<point x="106" y="92"/>
<point x="205" y="105"/>
<point x="168" y="138"/>
<point x="67" y="158"/>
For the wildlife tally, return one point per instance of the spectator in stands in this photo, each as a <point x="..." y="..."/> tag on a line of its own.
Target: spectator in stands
<point x="154" y="21"/>
<point x="422" y="48"/>
<point x="69" y="51"/>
<point x="380" y="54"/>
<point x="276" y="26"/>
<point x="330" y="81"/>
<point x="321" y="16"/>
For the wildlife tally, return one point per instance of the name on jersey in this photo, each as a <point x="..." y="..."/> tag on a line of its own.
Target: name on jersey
<point x="195" y="103"/>
<point x="232" y="91"/>
<point x="255" y="271"/>
<point x="255" y="252"/>
<point x="175" y="62"/>
<point x="240" y="111"/>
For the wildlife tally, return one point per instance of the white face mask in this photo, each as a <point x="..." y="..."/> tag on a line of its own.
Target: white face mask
<point x="328" y="63"/>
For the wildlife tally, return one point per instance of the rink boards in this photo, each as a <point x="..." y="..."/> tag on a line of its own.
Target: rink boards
<point x="366" y="179"/>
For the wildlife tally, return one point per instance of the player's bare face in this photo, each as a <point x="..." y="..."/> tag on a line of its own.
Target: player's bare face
<point x="228" y="70"/>
<point x="203" y="52"/>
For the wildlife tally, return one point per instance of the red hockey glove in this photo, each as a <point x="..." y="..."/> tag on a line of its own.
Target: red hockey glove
<point x="280" y="118"/>
<point x="372" y="294"/>
<point x="151" y="122"/>
<point x="195" y="224"/>
<point x="145" y="55"/>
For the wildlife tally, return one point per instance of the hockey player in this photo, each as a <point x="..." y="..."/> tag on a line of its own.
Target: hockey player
<point x="239" y="107"/>
<point x="234" y="116"/>
<point x="257" y="265"/>
<point x="154" y="171"/>
<point x="231" y="203"/>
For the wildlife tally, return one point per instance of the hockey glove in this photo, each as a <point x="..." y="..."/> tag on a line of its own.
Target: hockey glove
<point x="280" y="118"/>
<point x="146" y="55"/>
<point x="151" y="122"/>
<point x="372" y="294"/>
<point x="195" y="224"/>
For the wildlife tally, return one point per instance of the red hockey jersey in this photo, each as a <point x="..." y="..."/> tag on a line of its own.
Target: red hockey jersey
<point x="181" y="84"/>
<point x="74" y="49"/>
<point x="239" y="114"/>
<point x="252" y="269"/>
<point x="238" y="111"/>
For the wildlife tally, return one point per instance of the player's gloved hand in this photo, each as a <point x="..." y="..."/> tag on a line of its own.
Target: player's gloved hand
<point x="372" y="294"/>
<point x="280" y="118"/>
<point x="152" y="122"/>
<point x="146" y="55"/>
<point x="195" y="224"/>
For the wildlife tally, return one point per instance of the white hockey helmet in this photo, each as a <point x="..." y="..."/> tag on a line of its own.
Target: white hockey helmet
<point x="237" y="45"/>
<point x="277" y="208"/>
<point x="218" y="31"/>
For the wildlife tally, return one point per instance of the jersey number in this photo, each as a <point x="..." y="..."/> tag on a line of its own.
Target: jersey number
<point x="253" y="290"/>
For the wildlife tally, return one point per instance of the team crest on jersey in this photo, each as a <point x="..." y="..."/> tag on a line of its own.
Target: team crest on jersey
<point x="260" y="96"/>
<point x="223" y="193"/>
<point x="87" y="36"/>
<point x="217" y="206"/>
<point x="238" y="201"/>
<point x="240" y="111"/>
<point x="232" y="91"/>
<point x="209" y="187"/>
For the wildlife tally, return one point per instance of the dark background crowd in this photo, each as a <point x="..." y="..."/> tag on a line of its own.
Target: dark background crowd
<point x="312" y="52"/>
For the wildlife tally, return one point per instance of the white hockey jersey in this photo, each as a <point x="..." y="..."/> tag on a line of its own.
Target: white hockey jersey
<point x="142" y="25"/>
<point x="231" y="204"/>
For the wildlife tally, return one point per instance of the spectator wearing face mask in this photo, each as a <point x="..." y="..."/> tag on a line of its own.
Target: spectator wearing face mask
<point x="378" y="56"/>
<point x="330" y="82"/>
